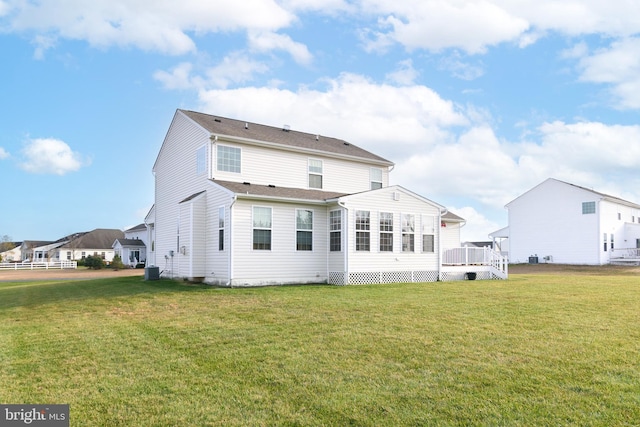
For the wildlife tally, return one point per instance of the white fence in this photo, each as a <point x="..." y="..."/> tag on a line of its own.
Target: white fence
<point x="39" y="265"/>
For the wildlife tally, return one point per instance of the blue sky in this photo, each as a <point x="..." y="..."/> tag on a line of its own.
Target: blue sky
<point x="475" y="101"/>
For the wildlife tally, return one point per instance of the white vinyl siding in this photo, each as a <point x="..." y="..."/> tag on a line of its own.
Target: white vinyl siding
<point x="283" y="168"/>
<point x="363" y="261"/>
<point x="284" y="263"/>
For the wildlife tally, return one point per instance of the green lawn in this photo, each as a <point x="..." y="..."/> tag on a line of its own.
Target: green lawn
<point x="534" y="350"/>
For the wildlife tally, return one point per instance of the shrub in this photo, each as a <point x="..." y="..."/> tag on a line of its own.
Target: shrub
<point x="117" y="263"/>
<point x="94" y="262"/>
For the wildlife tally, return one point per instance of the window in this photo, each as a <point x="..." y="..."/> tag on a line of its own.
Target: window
<point x="363" y="225"/>
<point x="68" y="255"/>
<point x="619" y="216"/>
<point x="221" y="228"/>
<point x="261" y="228"/>
<point x="335" y="231"/>
<point x="386" y="232"/>
<point x="428" y="243"/>
<point x="315" y="173"/>
<point x="408" y="232"/>
<point x="304" y="230"/>
<point x="428" y="233"/>
<point x="375" y="176"/>
<point x="201" y="162"/>
<point x="103" y="255"/>
<point x="612" y="241"/>
<point x="228" y="159"/>
<point x="83" y="255"/>
<point x="605" y="242"/>
<point x="588" y="208"/>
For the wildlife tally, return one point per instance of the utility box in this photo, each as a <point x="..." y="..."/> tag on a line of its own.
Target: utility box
<point x="152" y="273"/>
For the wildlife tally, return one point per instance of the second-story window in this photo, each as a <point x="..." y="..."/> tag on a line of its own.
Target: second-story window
<point x="375" y="176"/>
<point x="201" y="160"/>
<point x="229" y="159"/>
<point x="315" y="173"/>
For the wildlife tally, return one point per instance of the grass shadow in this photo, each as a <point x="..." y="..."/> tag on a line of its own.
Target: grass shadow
<point x="37" y="293"/>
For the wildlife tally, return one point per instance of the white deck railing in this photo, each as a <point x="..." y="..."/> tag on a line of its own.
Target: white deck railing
<point x="476" y="256"/>
<point x="39" y="265"/>
<point x="625" y="254"/>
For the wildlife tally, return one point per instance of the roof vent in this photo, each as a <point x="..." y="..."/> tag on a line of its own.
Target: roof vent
<point x="317" y="137"/>
<point x="246" y="183"/>
<point x="286" y="128"/>
<point x="217" y="120"/>
<point x="346" y="143"/>
<point x="246" y="125"/>
<point x="271" y="186"/>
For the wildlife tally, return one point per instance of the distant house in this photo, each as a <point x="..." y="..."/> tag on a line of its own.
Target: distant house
<point x="565" y="223"/>
<point x="133" y="248"/>
<point x="11" y="252"/>
<point x="244" y="204"/>
<point x="98" y="242"/>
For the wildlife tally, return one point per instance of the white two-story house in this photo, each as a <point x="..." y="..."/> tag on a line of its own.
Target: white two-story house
<point x="244" y="204"/>
<point x="565" y="223"/>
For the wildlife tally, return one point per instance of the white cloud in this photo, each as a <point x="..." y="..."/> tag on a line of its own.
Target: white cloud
<point x="179" y="78"/>
<point x="477" y="226"/>
<point x="164" y="27"/>
<point x="389" y="119"/>
<point x="617" y="66"/>
<point x="50" y="156"/>
<point x="434" y="25"/>
<point x="3" y="153"/>
<point x="461" y="69"/>
<point x="270" y="41"/>
<point x="404" y="75"/>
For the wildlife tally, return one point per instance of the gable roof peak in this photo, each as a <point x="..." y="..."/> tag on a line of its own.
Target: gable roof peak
<point x="284" y="137"/>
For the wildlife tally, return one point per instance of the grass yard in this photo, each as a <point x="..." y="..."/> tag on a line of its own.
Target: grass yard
<point x="534" y="350"/>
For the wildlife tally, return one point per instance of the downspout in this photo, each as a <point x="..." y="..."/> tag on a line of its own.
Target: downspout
<point x="441" y="213"/>
<point x="230" y="263"/>
<point x="346" y="242"/>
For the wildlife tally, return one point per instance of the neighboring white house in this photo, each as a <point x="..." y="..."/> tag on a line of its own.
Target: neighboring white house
<point x="77" y="246"/>
<point x="243" y="204"/>
<point x="564" y="223"/>
<point x="133" y="247"/>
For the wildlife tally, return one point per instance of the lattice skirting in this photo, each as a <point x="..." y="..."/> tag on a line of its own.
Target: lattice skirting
<point x="371" y="277"/>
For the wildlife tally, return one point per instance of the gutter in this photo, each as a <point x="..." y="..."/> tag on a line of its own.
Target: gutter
<point x="231" y="246"/>
<point x="346" y="240"/>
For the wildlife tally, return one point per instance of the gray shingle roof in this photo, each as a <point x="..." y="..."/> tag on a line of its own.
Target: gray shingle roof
<point x="277" y="135"/>
<point x="100" y="238"/>
<point x="131" y="242"/>
<point x="278" y="192"/>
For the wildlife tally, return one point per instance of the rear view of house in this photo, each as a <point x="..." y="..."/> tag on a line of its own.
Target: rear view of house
<point x="244" y="204"/>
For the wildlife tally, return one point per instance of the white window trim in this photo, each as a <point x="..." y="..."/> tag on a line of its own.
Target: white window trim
<point x="253" y="227"/>
<point x="217" y="157"/>
<point x="321" y="174"/>
<point x="340" y="231"/>
<point x="372" y="181"/>
<point x="313" y="215"/>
